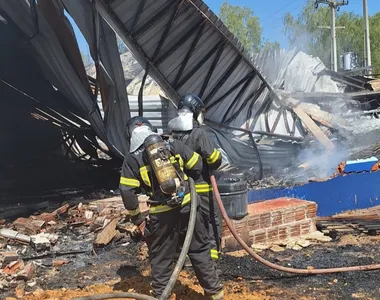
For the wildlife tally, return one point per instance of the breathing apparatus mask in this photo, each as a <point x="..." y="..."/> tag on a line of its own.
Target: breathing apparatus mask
<point x="192" y="103"/>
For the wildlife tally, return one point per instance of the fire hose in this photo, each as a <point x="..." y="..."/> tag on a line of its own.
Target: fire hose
<point x="275" y="266"/>
<point x="230" y="226"/>
<point x="181" y="260"/>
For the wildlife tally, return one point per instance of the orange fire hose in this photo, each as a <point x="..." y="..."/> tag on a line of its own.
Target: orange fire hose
<point x="270" y="264"/>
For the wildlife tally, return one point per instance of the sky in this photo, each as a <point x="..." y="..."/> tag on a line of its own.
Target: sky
<point x="270" y="13"/>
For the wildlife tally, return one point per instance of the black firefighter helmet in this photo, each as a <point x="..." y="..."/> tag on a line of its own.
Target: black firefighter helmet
<point x="193" y="103"/>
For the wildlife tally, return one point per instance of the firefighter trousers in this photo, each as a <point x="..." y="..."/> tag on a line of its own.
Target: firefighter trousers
<point x="213" y="222"/>
<point x="162" y="233"/>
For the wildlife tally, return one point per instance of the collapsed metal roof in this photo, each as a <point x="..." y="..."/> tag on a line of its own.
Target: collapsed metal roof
<point x="186" y="48"/>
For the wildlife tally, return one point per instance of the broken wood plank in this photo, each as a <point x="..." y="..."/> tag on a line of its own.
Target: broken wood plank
<point x="310" y="125"/>
<point x="107" y="234"/>
<point x="375" y="84"/>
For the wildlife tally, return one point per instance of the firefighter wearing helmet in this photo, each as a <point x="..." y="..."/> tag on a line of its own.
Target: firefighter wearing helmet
<point x="160" y="169"/>
<point x="187" y="127"/>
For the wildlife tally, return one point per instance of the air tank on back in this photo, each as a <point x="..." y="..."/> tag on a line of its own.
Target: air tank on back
<point x="159" y="158"/>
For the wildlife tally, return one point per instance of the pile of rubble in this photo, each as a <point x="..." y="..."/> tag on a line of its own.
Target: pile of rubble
<point x="53" y="239"/>
<point x="296" y="244"/>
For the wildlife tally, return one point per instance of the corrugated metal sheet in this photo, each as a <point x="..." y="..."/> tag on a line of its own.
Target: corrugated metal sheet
<point x="158" y="110"/>
<point x="186" y="48"/>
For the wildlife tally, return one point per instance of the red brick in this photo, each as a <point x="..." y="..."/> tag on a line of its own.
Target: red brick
<point x="260" y="236"/>
<point x="240" y="225"/>
<point x="283" y="233"/>
<point x="245" y="236"/>
<point x="288" y="216"/>
<point x="21" y="222"/>
<point x="265" y="220"/>
<point x="28" y="272"/>
<point x="276" y="204"/>
<point x="60" y="211"/>
<point x="311" y="210"/>
<point x="253" y="222"/>
<point x="272" y="234"/>
<point x="295" y="230"/>
<point x="252" y="236"/>
<point x="14" y="267"/>
<point x="7" y="257"/>
<point x="276" y="218"/>
<point x="300" y="214"/>
<point x="306" y="228"/>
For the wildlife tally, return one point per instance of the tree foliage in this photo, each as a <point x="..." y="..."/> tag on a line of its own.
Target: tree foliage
<point x="245" y="26"/>
<point x="303" y="33"/>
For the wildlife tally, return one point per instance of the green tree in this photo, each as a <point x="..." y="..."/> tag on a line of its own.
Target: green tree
<point x="270" y="46"/>
<point x="303" y="33"/>
<point x="374" y="23"/>
<point x="242" y="22"/>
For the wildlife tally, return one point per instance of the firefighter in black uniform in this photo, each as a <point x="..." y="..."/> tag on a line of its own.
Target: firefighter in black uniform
<point x="186" y="127"/>
<point x="167" y="218"/>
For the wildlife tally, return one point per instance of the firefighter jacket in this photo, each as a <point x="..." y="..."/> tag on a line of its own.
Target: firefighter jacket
<point x="198" y="141"/>
<point x="137" y="177"/>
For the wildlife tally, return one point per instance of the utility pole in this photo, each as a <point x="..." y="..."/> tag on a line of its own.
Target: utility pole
<point x="334" y="6"/>
<point x="367" y="43"/>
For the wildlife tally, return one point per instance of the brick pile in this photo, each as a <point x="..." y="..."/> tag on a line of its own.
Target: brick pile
<point x="272" y="221"/>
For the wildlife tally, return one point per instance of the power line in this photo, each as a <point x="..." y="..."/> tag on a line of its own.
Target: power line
<point x="281" y="9"/>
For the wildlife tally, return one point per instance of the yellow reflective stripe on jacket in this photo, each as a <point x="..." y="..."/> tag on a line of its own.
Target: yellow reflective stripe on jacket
<point x="203" y="188"/>
<point x="129" y="182"/>
<point x="186" y="199"/>
<point x="134" y="212"/>
<point x="214" y="254"/>
<point x="213" y="157"/>
<point x="177" y="159"/>
<point x="145" y="176"/>
<point x="219" y="295"/>
<point x="164" y="208"/>
<point x="192" y="161"/>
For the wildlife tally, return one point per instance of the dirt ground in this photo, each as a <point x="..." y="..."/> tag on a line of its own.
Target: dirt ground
<point x="116" y="269"/>
<point x="123" y="266"/>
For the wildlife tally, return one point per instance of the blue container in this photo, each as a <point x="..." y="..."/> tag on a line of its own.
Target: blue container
<point x="348" y="192"/>
<point x="360" y="165"/>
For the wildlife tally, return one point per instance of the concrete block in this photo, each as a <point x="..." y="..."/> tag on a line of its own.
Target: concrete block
<point x="40" y="242"/>
<point x="88" y="214"/>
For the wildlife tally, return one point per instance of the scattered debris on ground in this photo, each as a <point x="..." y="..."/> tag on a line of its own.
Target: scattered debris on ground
<point x="38" y="246"/>
<point x="70" y="263"/>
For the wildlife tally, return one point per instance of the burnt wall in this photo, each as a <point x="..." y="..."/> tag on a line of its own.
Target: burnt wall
<point x="33" y="158"/>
